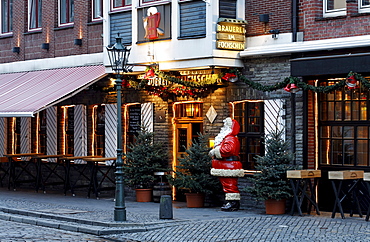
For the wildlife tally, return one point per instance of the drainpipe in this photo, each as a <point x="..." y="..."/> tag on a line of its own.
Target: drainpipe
<point x="292" y="95"/>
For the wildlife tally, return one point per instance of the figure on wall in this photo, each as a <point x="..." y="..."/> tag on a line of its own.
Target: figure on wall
<point x="226" y="164"/>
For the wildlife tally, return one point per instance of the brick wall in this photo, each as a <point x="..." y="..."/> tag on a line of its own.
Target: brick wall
<point x="316" y="27"/>
<point x="279" y="12"/>
<point x="61" y="40"/>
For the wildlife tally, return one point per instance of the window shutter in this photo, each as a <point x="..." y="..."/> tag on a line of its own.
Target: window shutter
<point x="3" y="135"/>
<point x="80" y="132"/>
<point x="274" y="115"/>
<point x="25" y="136"/>
<point x="192" y="19"/>
<point x="147" y="115"/>
<point x="110" y="148"/>
<point x="51" y="132"/>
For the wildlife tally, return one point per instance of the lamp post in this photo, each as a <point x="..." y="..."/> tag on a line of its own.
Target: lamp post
<point x="118" y="56"/>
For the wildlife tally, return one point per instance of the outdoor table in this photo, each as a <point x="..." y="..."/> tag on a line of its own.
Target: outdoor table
<point x="300" y="180"/>
<point x="69" y="184"/>
<point x="13" y="161"/>
<point x="98" y="163"/>
<point x="41" y="179"/>
<point x="354" y="177"/>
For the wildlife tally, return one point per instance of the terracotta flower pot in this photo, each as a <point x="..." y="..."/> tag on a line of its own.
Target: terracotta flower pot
<point x="144" y="195"/>
<point x="275" y="206"/>
<point x="194" y="200"/>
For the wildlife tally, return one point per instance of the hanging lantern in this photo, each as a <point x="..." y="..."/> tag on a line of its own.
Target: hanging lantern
<point x="149" y="74"/>
<point x="351" y="82"/>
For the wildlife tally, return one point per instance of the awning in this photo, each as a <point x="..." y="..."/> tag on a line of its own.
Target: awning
<point x="25" y="93"/>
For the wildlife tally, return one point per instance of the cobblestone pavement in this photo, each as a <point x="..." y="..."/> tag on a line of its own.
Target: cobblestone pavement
<point x="261" y="228"/>
<point x="29" y="216"/>
<point x="19" y="232"/>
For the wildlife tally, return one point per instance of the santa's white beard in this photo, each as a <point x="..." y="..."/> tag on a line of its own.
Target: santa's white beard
<point x="224" y="131"/>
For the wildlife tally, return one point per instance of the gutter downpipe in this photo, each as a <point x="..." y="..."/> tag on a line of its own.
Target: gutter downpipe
<point x="292" y="95"/>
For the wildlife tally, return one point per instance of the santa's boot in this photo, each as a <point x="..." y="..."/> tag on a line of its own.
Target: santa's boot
<point x="231" y="206"/>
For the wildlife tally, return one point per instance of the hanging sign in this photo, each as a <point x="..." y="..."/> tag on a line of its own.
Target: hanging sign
<point x="230" y="36"/>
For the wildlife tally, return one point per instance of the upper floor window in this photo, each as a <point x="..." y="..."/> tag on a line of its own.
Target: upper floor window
<point x="97" y="9"/>
<point x="66" y="12"/>
<point x="35" y="14"/>
<point x="147" y="2"/>
<point x="6" y="16"/>
<point x="364" y="6"/>
<point x="333" y="8"/>
<point x="117" y="4"/>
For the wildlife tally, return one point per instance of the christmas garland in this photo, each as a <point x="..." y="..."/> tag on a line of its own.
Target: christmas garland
<point x="351" y="81"/>
<point x="184" y="88"/>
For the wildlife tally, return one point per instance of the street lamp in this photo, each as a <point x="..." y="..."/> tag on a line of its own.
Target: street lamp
<point x="118" y="56"/>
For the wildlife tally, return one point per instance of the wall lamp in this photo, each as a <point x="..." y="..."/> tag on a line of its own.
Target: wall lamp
<point x="45" y="46"/>
<point x="78" y="42"/>
<point x="16" y="49"/>
<point x="275" y="33"/>
<point x="264" y="18"/>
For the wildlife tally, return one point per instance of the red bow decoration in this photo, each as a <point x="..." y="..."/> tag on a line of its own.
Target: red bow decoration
<point x="230" y="77"/>
<point x="351" y="82"/>
<point x="149" y="74"/>
<point x="292" y="88"/>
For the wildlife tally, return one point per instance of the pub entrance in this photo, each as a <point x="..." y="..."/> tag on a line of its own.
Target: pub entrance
<point x="188" y="123"/>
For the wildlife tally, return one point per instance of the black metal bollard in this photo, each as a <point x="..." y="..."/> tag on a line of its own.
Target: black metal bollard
<point x="165" y="207"/>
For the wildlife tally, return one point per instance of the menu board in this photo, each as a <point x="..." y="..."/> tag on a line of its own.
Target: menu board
<point x="134" y="119"/>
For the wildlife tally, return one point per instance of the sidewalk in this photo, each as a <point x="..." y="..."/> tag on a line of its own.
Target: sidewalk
<point x="92" y="216"/>
<point x="97" y="216"/>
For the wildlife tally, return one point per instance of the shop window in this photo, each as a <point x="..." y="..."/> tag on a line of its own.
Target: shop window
<point x="343" y="126"/>
<point x="192" y="19"/>
<point x="250" y="116"/>
<point x="97" y="10"/>
<point x="333" y="8"/>
<point x="42" y="132"/>
<point x="6" y="16"/>
<point x="98" y="130"/>
<point x="35" y="14"/>
<point x="69" y="130"/>
<point x="66" y="12"/>
<point x="189" y="110"/>
<point x="364" y="6"/>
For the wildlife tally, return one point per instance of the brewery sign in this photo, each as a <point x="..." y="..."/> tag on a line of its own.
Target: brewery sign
<point x="230" y="34"/>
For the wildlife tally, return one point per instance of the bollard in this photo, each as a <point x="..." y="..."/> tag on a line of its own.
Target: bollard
<point x="165" y="207"/>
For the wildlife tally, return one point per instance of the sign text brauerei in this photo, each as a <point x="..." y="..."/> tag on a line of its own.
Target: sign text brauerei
<point x="230" y="36"/>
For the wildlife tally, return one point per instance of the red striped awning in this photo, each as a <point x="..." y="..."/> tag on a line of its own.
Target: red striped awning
<point x="25" y="93"/>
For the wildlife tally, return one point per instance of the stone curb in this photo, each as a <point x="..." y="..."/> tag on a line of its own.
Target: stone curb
<point x="80" y="225"/>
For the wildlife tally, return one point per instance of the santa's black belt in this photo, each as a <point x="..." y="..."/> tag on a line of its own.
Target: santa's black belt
<point x="230" y="158"/>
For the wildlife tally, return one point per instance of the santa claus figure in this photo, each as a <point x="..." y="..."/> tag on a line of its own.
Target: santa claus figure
<point x="226" y="164"/>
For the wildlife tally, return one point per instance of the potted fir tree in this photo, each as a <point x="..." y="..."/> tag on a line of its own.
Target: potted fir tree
<point x="193" y="173"/>
<point x="270" y="183"/>
<point x="143" y="159"/>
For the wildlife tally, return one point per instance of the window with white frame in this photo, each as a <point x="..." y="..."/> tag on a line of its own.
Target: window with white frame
<point x="333" y="8"/>
<point x="148" y="2"/>
<point x="66" y="12"/>
<point x="97" y="9"/>
<point x="119" y="4"/>
<point x="6" y="16"/>
<point x="364" y="6"/>
<point x="35" y="14"/>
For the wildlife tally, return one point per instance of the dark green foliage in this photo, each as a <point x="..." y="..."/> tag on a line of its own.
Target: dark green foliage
<point x="143" y="159"/>
<point x="193" y="171"/>
<point x="271" y="182"/>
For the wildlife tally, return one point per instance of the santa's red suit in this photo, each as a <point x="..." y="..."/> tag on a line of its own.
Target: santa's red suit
<point x="226" y="164"/>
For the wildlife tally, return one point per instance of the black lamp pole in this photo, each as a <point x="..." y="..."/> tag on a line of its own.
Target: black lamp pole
<point x="118" y="57"/>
